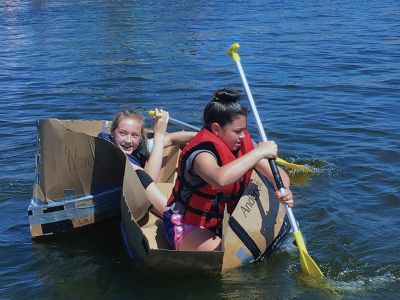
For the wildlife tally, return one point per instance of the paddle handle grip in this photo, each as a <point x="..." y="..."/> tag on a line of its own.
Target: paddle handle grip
<point x="152" y="113"/>
<point x="277" y="175"/>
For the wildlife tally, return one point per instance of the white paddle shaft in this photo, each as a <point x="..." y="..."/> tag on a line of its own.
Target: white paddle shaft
<point x="261" y="131"/>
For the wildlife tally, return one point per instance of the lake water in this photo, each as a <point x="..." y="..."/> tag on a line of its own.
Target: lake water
<point x="326" y="80"/>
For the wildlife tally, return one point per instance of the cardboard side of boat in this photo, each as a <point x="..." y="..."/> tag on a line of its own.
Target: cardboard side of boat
<point x="78" y="178"/>
<point x="253" y="229"/>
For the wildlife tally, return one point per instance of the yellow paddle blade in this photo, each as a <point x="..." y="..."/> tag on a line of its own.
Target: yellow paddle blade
<point x="293" y="166"/>
<point x="308" y="265"/>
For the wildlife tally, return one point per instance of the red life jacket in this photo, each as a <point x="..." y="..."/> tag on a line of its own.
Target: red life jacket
<point x="204" y="204"/>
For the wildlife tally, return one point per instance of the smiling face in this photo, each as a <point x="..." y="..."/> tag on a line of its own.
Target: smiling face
<point x="128" y="134"/>
<point x="232" y="134"/>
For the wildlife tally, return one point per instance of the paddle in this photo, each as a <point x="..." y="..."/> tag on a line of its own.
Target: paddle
<point x="307" y="263"/>
<point x="278" y="160"/>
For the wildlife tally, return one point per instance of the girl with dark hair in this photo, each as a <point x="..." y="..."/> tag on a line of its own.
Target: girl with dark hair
<point x="213" y="172"/>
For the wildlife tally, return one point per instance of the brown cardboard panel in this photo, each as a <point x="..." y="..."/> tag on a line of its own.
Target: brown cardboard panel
<point x="83" y="220"/>
<point x="66" y="160"/>
<point x="168" y="170"/>
<point x="72" y="159"/>
<point x="260" y="215"/>
<point x="133" y="191"/>
<point x="73" y="165"/>
<point x="170" y="163"/>
<point x="161" y="259"/>
<point x="36" y="230"/>
<point x="184" y="262"/>
<point x="76" y="162"/>
<point x="134" y="194"/>
<point x="153" y="230"/>
<point x="89" y="127"/>
<point x="150" y="254"/>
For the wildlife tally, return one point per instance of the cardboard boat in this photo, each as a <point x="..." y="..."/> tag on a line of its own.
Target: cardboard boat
<point x="254" y="229"/>
<point x="82" y="180"/>
<point x="78" y="178"/>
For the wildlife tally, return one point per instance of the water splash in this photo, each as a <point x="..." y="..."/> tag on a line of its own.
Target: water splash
<point x="363" y="285"/>
<point x="318" y="166"/>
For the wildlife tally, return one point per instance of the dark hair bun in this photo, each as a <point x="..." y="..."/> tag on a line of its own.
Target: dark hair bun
<point x="226" y="96"/>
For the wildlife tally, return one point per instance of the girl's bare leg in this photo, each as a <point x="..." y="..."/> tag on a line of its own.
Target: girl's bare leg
<point x="201" y="239"/>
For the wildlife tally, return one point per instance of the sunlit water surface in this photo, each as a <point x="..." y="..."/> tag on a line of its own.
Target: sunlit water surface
<point x="325" y="76"/>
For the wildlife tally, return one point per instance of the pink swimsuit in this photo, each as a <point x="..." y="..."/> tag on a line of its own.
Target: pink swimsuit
<point x="180" y="229"/>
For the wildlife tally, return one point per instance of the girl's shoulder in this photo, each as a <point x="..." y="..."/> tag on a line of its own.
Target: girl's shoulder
<point x="105" y="136"/>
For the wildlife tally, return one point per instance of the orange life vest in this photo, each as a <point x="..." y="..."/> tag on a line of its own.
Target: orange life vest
<point x="204" y="204"/>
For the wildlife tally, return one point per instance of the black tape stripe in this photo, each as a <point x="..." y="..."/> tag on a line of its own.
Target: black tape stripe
<point x="244" y="237"/>
<point x="53" y="208"/>
<point x="283" y="233"/>
<point x="57" y="227"/>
